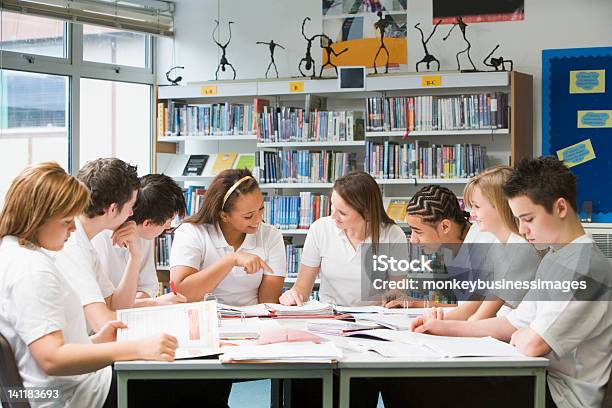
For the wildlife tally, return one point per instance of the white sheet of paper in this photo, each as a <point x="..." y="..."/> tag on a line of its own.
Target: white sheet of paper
<point x="195" y="326"/>
<point x="298" y="351"/>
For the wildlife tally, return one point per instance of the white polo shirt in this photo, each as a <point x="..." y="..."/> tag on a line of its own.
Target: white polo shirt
<point x="113" y="261"/>
<point x="36" y="300"/>
<point x="200" y="246"/>
<point x="579" y="333"/>
<point x="328" y="247"/>
<point x="79" y="263"/>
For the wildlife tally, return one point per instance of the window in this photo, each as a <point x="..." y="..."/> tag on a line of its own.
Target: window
<point x="33" y="35"/>
<point x="112" y="46"/>
<point x="116" y="122"/>
<point x="33" y="122"/>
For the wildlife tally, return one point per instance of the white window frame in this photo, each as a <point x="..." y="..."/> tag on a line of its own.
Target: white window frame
<point x="74" y="68"/>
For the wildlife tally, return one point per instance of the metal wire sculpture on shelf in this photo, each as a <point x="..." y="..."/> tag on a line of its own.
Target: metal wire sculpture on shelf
<point x="428" y="58"/>
<point x="326" y="44"/>
<point x="307" y="60"/>
<point x="462" y="26"/>
<point x="381" y="25"/>
<point x="497" y="63"/>
<point x="272" y="45"/>
<point x="174" y="81"/>
<point x="223" y="61"/>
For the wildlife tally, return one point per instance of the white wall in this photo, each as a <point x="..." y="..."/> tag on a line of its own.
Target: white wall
<point x="548" y="24"/>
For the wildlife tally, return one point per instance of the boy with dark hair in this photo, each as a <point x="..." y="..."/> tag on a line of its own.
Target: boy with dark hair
<point x="114" y="186"/>
<point x="575" y="335"/>
<point x="159" y="201"/>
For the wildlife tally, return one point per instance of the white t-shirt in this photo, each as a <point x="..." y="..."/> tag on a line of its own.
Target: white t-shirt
<point x="79" y="263"/>
<point x="36" y="300"/>
<point x="200" y="246"/>
<point x="342" y="278"/>
<point x="579" y="333"/>
<point x="113" y="261"/>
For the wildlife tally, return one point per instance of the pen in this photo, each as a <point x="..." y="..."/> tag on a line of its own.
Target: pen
<point x="172" y="287"/>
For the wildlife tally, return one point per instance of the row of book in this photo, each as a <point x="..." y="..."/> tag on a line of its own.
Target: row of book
<point x="285" y="124"/>
<point x="302" y="166"/>
<point x="421" y="159"/>
<point x="194" y="198"/>
<point x="163" y="244"/>
<point x="295" y="212"/>
<point x="294" y="254"/>
<point x="425" y="113"/>
<point x="179" y="119"/>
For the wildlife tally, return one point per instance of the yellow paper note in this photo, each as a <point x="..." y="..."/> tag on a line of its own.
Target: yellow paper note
<point x="591" y="81"/>
<point x="296" y="86"/>
<point x="577" y="154"/>
<point x="431" y="80"/>
<point x="595" y="118"/>
<point x="210" y="90"/>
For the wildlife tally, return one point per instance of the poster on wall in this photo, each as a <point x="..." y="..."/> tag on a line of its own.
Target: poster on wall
<point x="478" y="11"/>
<point x="351" y="24"/>
<point x="577" y="121"/>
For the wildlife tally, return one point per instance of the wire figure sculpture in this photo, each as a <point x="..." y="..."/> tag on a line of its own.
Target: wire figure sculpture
<point x="497" y="63"/>
<point x="308" y="61"/>
<point x="272" y="45"/>
<point x="326" y="44"/>
<point x="174" y="81"/>
<point x="462" y="26"/>
<point x="428" y="58"/>
<point x="223" y="62"/>
<point x="382" y="25"/>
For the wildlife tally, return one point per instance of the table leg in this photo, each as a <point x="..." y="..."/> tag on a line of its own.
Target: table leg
<point x="122" y="391"/>
<point x="539" y="399"/>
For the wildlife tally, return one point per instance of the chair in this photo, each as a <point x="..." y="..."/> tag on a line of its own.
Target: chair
<point x="9" y="375"/>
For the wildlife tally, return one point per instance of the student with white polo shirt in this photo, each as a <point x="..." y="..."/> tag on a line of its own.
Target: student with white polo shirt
<point x="438" y="224"/>
<point x="159" y="201"/>
<point x="114" y="186"/>
<point x="40" y="312"/>
<point x="333" y="245"/>
<point x="226" y="249"/>
<point x="574" y="331"/>
<point x="509" y="256"/>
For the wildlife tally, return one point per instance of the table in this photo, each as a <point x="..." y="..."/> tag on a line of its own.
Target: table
<point x="355" y="365"/>
<point x="213" y="369"/>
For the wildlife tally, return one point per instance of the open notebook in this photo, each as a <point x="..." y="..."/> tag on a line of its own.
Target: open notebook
<point x="195" y="326"/>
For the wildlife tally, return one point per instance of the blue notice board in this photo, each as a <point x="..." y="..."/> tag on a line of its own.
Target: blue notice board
<point x="577" y="108"/>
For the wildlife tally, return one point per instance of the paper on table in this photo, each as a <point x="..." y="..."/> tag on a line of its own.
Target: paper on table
<point x="394" y="349"/>
<point x="395" y="322"/>
<point x="312" y="307"/>
<point x="299" y="351"/>
<point x="259" y="310"/>
<point x="360" y="309"/>
<point x="195" y="326"/>
<point x="251" y="328"/>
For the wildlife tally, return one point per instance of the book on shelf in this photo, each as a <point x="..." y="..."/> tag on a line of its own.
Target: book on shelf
<point x="180" y="119"/>
<point x="421" y="159"/>
<point x="194" y="198"/>
<point x="195" y="165"/>
<point x="302" y="166"/>
<point x="245" y="161"/>
<point x="295" y="212"/>
<point x="427" y="112"/>
<point x="163" y="244"/>
<point x="288" y="124"/>
<point x="294" y="255"/>
<point x="396" y="209"/>
<point x="223" y="161"/>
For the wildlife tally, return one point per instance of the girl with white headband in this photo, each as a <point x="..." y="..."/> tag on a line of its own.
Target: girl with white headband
<point x="226" y="250"/>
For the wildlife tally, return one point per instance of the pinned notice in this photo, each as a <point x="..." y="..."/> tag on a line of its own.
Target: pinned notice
<point x="577" y="154"/>
<point x="595" y="119"/>
<point x="593" y="81"/>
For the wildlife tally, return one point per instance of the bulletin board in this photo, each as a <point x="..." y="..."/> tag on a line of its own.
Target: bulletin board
<point x="577" y="120"/>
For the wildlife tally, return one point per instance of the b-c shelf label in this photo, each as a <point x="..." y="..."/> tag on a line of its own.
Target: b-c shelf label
<point x="296" y="86"/>
<point x="210" y="90"/>
<point x="431" y="80"/>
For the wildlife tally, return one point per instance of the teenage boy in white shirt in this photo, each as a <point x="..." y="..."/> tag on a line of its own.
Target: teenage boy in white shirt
<point x="575" y="335"/>
<point x="114" y="186"/>
<point x="159" y="201"/>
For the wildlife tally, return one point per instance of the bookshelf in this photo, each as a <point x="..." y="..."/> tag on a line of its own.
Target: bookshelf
<point x="504" y="145"/>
